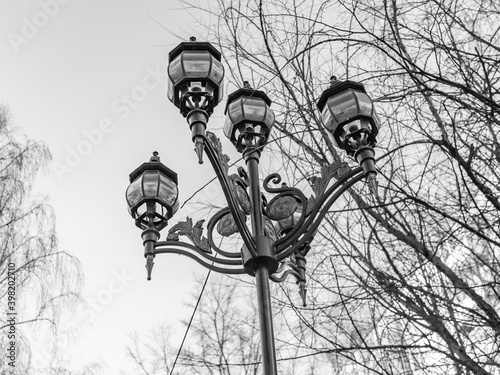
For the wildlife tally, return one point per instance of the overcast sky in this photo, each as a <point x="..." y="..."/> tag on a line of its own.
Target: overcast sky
<point x="87" y="78"/>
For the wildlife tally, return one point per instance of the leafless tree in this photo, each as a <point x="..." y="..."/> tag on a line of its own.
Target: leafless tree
<point x="409" y="285"/>
<point x="37" y="280"/>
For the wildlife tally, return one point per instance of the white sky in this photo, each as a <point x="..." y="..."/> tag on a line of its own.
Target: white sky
<point x="64" y="78"/>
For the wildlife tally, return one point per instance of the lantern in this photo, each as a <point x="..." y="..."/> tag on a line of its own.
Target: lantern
<point x="248" y="116"/>
<point x="349" y="115"/>
<point x="152" y="195"/>
<point x="195" y="76"/>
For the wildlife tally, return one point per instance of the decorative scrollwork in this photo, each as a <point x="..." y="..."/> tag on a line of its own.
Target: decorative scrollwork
<point x="276" y="179"/>
<point x="244" y="176"/>
<point x="193" y="232"/>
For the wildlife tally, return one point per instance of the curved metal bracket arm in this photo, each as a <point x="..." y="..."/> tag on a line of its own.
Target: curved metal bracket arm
<point x="296" y="239"/>
<point x="221" y="265"/>
<point x="210" y="229"/>
<point x="219" y="164"/>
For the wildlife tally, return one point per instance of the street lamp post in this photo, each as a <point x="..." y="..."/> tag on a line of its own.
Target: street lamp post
<point x="281" y="231"/>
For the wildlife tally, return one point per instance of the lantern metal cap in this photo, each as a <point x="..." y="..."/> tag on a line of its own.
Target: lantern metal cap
<point x="336" y="87"/>
<point x="153" y="165"/>
<point x="194" y="46"/>
<point x="247" y="91"/>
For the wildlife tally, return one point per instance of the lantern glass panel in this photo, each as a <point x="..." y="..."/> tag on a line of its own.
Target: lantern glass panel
<point x="343" y="106"/>
<point x="328" y="120"/>
<point x="175" y="70"/>
<point x="217" y="73"/>
<point x="150" y="183"/>
<point x="254" y="108"/>
<point x="168" y="191"/>
<point x="269" y="118"/>
<point x="196" y="64"/>
<point x="141" y="209"/>
<point x="365" y="104"/>
<point x="134" y="192"/>
<point x="170" y="90"/>
<point x="235" y="111"/>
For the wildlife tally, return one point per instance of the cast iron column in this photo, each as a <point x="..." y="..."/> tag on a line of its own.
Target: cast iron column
<point x="264" y="259"/>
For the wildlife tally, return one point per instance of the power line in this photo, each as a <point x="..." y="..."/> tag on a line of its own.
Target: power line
<point x="190" y="321"/>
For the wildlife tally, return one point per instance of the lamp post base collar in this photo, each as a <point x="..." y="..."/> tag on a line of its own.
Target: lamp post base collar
<point x="266" y="256"/>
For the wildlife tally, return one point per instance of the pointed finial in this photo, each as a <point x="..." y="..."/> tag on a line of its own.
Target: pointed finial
<point x="149" y="264"/>
<point x="155" y="157"/>
<point x="198" y="148"/>
<point x="192" y="39"/>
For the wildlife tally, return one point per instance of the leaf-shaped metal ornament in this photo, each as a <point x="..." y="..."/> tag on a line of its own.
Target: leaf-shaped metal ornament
<point x="227" y="226"/>
<point x="193" y="232"/>
<point x="282" y="207"/>
<point x="319" y="184"/>
<point x="243" y="199"/>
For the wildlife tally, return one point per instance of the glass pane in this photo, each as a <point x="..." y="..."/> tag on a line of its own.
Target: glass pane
<point x="235" y="112"/>
<point x="141" y="209"/>
<point x="150" y="183"/>
<point x="343" y="106"/>
<point x="365" y="104"/>
<point x="170" y="90"/>
<point x="134" y="192"/>
<point x="168" y="190"/>
<point x="228" y="127"/>
<point x="254" y="108"/>
<point x="176" y="205"/>
<point x="196" y="64"/>
<point x="162" y="210"/>
<point x="376" y="119"/>
<point x="217" y="73"/>
<point x="328" y="121"/>
<point x="175" y="70"/>
<point x="269" y="118"/>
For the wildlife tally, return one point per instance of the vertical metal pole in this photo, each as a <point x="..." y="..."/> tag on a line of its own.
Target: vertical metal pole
<point x="266" y="321"/>
<point x="261" y="271"/>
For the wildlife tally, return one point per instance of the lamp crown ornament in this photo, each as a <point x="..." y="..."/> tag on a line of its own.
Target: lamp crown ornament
<point x="155" y="157"/>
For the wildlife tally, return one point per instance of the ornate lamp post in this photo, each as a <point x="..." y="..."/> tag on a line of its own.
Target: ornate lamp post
<point x="281" y="231"/>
